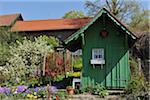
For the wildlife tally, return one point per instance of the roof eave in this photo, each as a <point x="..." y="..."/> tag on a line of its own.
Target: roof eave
<point x="123" y="27"/>
<point x="44" y="30"/>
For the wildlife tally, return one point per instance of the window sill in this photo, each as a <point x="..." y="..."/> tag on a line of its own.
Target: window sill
<point x="97" y="62"/>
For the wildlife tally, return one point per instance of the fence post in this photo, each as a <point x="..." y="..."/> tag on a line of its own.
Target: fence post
<point x="44" y="61"/>
<point x="139" y="67"/>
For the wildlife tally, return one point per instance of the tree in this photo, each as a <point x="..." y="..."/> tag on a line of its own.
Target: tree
<point x="7" y="38"/>
<point x="122" y="9"/>
<point x="74" y="14"/>
<point x="140" y="22"/>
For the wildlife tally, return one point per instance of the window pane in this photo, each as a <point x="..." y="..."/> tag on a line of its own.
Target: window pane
<point x="98" y="54"/>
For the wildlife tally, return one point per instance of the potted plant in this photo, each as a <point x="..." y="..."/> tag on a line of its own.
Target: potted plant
<point x="70" y="90"/>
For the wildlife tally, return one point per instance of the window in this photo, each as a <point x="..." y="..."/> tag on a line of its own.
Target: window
<point x="98" y="56"/>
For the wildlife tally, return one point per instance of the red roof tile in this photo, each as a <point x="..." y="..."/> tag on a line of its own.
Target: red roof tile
<point x="50" y="24"/>
<point x="7" y="20"/>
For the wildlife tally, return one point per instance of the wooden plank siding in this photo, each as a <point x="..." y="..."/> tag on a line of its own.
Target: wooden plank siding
<point x="115" y="73"/>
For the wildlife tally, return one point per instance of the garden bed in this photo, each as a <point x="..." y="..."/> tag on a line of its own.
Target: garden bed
<point x="24" y="92"/>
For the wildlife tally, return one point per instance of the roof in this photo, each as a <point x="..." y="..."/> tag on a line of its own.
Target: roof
<point x="50" y="24"/>
<point x="102" y="11"/>
<point x="8" y="20"/>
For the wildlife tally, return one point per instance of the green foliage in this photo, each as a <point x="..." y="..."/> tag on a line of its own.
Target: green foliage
<point x="4" y="53"/>
<point x="137" y="86"/>
<point x="41" y="93"/>
<point x="62" y="94"/>
<point x="4" y="75"/>
<point x="77" y="63"/>
<point x="100" y="90"/>
<point x="74" y="14"/>
<point x="97" y="89"/>
<point x="58" y="78"/>
<point x="33" y="80"/>
<point x="77" y="91"/>
<point x="87" y="89"/>
<point x="133" y="66"/>
<point x="54" y="42"/>
<point x="7" y="38"/>
<point x="2" y="96"/>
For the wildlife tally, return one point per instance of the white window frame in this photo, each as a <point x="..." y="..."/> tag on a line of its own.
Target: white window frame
<point x="98" y="52"/>
<point x="98" y="56"/>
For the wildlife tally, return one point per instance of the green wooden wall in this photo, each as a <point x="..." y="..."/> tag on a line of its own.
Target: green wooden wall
<point x="116" y="72"/>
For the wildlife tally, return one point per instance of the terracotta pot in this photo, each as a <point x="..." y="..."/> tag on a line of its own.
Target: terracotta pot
<point x="70" y="91"/>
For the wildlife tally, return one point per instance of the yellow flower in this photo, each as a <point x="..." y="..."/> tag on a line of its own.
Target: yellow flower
<point x="28" y="95"/>
<point x="31" y="96"/>
<point x="34" y="93"/>
<point x="35" y="97"/>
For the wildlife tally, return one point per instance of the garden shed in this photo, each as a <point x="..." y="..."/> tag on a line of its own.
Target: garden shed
<point x="105" y="44"/>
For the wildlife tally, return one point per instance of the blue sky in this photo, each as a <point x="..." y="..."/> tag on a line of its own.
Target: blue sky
<point x="46" y="9"/>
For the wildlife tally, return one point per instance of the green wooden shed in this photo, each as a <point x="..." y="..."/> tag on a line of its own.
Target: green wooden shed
<point x="105" y="44"/>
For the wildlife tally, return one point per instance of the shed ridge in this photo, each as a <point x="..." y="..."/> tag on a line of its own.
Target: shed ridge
<point x="98" y="15"/>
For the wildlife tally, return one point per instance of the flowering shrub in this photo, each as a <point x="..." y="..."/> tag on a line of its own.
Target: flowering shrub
<point x="4" y="74"/>
<point x="26" y="58"/>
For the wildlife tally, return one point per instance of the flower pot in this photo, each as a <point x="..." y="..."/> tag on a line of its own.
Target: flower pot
<point x="70" y="91"/>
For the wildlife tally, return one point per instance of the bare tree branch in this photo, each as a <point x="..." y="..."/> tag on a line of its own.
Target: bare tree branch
<point x="108" y="4"/>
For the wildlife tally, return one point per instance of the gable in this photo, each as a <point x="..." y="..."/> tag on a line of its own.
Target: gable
<point x="81" y="32"/>
<point x="8" y="20"/>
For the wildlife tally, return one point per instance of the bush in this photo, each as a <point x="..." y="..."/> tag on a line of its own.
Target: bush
<point x="87" y="89"/>
<point x="58" y="78"/>
<point x="100" y="90"/>
<point x="97" y="89"/>
<point x="137" y="86"/>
